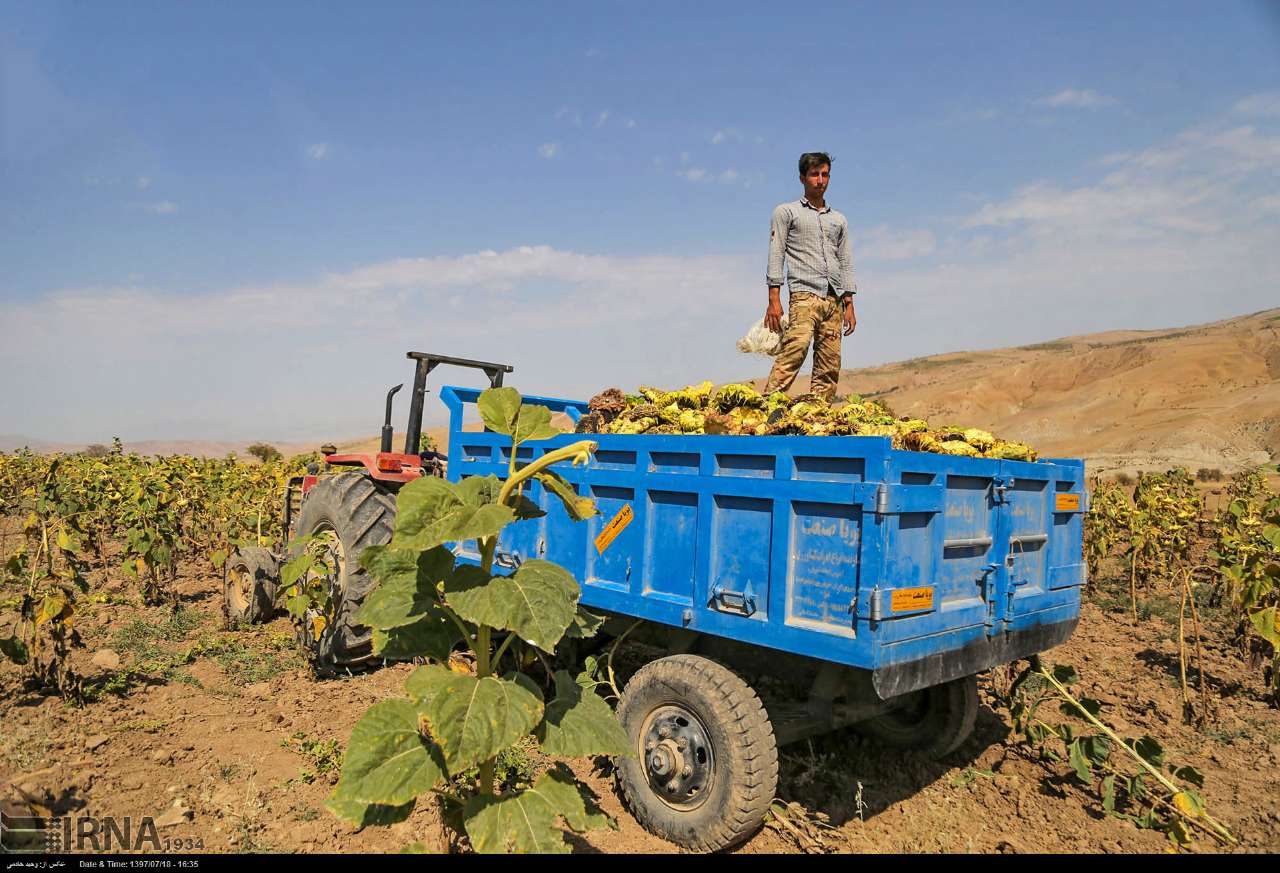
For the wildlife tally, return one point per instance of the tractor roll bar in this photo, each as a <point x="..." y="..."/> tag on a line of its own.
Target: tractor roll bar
<point x="427" y="362"/>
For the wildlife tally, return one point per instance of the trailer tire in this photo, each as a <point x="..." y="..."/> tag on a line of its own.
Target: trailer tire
<point x="360" y="512"/>
<point x="936" y="720"/>
<point x="249" y="579"/>
<point x="728" y="780"/>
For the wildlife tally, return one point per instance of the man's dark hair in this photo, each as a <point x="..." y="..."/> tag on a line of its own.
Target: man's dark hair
<point x="809" y="160"/>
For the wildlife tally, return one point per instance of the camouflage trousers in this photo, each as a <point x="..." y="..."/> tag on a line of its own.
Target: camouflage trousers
<point x="816" y="319"/>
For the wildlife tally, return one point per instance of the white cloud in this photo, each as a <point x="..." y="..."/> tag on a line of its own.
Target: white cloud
<point x="717" y="137"/>
<point x="549" y="149"/>
<point x="162" y="207"/>
<point x="318" y="151"/>
<point x="142" y="183"/>
<point x="883" y="244"/>
<point x="727" y="176"/>
<point x="546" y="311"/>
<point x="601" y="118"/>
<point x="1070" y="97"/>
<point x="630" y="123"/>
<point x="1266" y="105"/>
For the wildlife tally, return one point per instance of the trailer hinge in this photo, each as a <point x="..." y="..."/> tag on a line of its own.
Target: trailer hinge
<point x="882" y="499"/>
<point x="1000" y="488"/>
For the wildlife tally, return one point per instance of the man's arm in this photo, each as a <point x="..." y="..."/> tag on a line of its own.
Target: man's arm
<point x="773" y="313"/>
<point x="847" y="285"/>
<point x="773" y="274"/>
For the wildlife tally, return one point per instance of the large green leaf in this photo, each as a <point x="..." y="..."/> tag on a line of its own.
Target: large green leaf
<point x="1264" y="622"/>
<point x="499" y="408"/>
<point x="525" y="508"/>
<point x="14" y="649"/>
<point x="579" y="508"/>
<point x="579" y="723"/>
<point x="362" y="815"/>
<point x="1080" y="762"/>
<point x="585" y="625"/>
<point x="1271" y="533"/>
<point x="432" y="636"/>
<point x="537" y="603"/>
<point x="526" y="822"/>
<point x="473" y="719"/>
<point x="1190" y="774"/>
<point x="1148" y="749"/>
<point x="432" y="511"/>
<point x="406" y="584"/>
<point x="388" y="761"/>
<point x="534" y="423"/>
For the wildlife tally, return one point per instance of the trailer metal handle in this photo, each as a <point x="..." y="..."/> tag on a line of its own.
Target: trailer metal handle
<point x="1029" y="539"/>
<point x="734" y="601"/>
<point x="968" y="543"/>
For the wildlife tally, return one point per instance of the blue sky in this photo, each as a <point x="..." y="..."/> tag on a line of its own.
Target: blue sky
<point x="230" y="222"/>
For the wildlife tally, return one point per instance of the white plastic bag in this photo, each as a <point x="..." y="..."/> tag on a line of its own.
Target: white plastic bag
<point x="762" y="341"/>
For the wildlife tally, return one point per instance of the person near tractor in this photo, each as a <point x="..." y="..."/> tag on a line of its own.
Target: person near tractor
<point x="812" y="240"/>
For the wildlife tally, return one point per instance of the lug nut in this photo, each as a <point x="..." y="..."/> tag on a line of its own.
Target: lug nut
<point x="687" y="771"/>
<point x="664" y="731"/>
<point x="672" y="786"/>
<point x="649" y="745"/>
<point x="682" y="743"/>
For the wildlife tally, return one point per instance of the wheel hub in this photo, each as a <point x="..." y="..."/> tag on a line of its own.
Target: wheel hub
<point x="241" y="588"/>
<point x="677" y="757"/>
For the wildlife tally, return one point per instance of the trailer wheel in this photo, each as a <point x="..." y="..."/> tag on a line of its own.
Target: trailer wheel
<point x="249" y="579"/>
<point x="934" y="720"/>
<point x="346" y="514"/>
<point x="706" y="764"/>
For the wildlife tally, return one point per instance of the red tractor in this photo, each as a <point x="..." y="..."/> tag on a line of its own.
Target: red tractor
<point x="337" y="517"/>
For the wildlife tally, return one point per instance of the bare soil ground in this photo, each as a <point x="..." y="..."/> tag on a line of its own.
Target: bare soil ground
<point x="226" y="738"/>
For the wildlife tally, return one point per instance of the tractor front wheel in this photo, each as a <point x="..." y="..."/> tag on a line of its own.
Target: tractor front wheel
<point x="249" y="579"/>
<point x="344" y="515"/>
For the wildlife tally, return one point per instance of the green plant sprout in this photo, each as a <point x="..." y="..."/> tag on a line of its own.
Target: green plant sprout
<point x="453" y="722"/>
<point x="1154" y="800"/>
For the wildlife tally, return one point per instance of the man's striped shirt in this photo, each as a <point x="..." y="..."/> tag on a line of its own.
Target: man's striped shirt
<point x="815" y="246"/>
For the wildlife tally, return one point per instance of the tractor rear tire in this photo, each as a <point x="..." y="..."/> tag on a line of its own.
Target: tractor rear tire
<point x="705" y="767"/>
<point x="361" y="513"/>
<point x="249" y="580"/>
<point x="934" y="720"/>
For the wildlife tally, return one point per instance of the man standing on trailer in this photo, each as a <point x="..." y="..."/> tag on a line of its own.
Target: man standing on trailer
<point x="813" y="241"/>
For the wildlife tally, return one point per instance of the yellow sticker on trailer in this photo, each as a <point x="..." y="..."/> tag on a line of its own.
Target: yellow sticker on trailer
<point x="1066" y="503"/>
<point x="615" y="526"/>
<point x="911" y="599"/>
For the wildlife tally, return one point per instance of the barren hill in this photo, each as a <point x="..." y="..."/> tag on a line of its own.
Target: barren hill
<point x="1201" y="396"/>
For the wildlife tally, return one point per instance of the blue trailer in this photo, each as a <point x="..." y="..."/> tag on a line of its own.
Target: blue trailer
<point x="878" y="582"/>
<point x="845" y="583"/>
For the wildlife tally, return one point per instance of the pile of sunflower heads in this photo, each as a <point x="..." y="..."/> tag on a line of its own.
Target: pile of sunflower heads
<point x="741" y="410"/>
